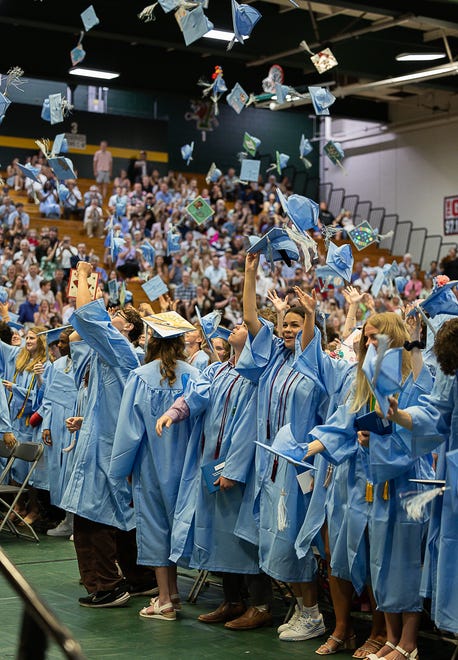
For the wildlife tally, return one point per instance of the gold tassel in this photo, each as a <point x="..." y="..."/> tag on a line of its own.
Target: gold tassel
<point x="369" y="492"/>
<point x="386" y="491"/>
<point x="328" y="477"/>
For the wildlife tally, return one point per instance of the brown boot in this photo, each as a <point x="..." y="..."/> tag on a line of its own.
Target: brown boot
<point x="225" y="612"/>
<point x="253" y="618"/>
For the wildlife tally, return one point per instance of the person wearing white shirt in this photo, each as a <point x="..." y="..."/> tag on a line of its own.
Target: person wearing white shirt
<point x="215" y="273"/>
<point x="33" y="278"/>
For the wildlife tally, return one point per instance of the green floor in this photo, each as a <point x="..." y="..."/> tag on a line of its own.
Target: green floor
<point x="51" y="569"/>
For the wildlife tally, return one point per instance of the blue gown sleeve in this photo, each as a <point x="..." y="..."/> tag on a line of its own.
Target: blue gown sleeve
<point x="257" y="352"/>
<point x="338" y="435"/>
<point x="240" y="455"/>
<point x="8" y="355"/>
<point x="92" y="322"/>
<point x="197" y="392"/>
<point x="5" y="421"/>
<point x="129" y="436"/>
<point x="81" y="353"/>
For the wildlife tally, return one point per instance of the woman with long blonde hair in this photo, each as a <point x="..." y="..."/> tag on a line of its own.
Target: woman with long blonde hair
<point x="376" y="531"/>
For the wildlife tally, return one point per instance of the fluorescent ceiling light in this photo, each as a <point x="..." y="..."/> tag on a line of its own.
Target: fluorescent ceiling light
<point x="221" y="35"/>
<point x="419" y="57"/>
<point x="93" y="73"/>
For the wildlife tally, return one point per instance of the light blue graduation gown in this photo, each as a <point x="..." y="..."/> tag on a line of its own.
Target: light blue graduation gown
<point x="435" y="420"/>
<point x="154" y="462"/>
<point x="58" y="403"/>
<point x="329" y="496"/>
<point x="5" y="422"/>
<point x="204" y="522"/>
<point x="284" y="396"/>
<point x="199" y="360"/>
<point x="90" y="491"/>
<point x="395" y="541"/>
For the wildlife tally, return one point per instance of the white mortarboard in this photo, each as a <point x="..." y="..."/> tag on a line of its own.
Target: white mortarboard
<point x="155" y="287"/>
<point x="56" y="111"/>
<point x="89" y="18"/>
<point x="249" y="169"/>
<point x="305" y="148"/>
<point x="60" y="144"/>
<point x="322" y="99"/>
<point x="194" y="25"/>
<point x="168" y="324"/>
<point x="62" y="167"/>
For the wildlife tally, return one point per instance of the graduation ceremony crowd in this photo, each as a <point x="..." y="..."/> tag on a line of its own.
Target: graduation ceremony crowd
<point x="151" y="436"/>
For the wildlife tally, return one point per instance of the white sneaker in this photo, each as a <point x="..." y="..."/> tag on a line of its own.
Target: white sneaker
<point x="296" y="615"/>
<point x="64" y="528"/>
<point x="304" y="628"/>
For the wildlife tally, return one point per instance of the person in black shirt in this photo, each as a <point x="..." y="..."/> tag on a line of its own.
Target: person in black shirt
<point x="325" y="216"/>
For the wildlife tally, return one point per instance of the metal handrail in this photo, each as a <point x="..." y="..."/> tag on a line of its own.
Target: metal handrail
<point x="38" y="623"/>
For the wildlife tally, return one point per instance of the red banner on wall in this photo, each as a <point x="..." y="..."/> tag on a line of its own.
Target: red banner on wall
<point x="451" y="215"/>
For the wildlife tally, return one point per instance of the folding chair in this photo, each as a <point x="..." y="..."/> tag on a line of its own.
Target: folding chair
<point x="6" y="453"/>
<point x="31" y="453"/>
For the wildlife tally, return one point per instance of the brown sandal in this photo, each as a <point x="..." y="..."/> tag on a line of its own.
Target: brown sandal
<point x="369" y="646"/>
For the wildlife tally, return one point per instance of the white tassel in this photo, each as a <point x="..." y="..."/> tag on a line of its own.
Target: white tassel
<point x="381" y="237"/>
<point x="415" y="505"/>
<point x="147" y="14"/>
<point x="282" y="514"/>
<point x="45" y="147"/>
<point x="303" y="44"/>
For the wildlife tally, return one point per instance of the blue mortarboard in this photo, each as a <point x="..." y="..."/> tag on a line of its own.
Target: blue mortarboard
<point x="14" y="325"/>
<point x="29" y="172"/>
<point x="213" y="174"/>
<point x="244" y="18"/>
<point x="222" y="333"/>
<point x="383" y="370"/>
<point x="89" y="18"/>
<point x="53" y="335"/>
<point x="400" y="283"/>
<point x="186" y="152"/>
<point x="378" y="282"/>
<point x="148" y="252"/>
<point x="281" y="91"/>
<point x="77" y="54"/>
<point x="340" y="260"/>
<point x="322" y="99"/>
<point x="3" y="295"/>
<point x="281" y="161"/>
<point x="277" y="246"/>
<point x="249" y="169"/>
<point x="302" y="210"/>
<point x="62" y="167"/>
<point x="289" y="446"/>
<point x="63" y="192"/>
<point x="173" y="242"/>
<point x="441" y="300"/>
<point x="155" y="287"/>
<point x="334" y="152"/>
<point x="237" y="98"/>
<point x="115" y="243"/>
<point x="168" y="325"/>
<point x="327" y="276"/>
<point x="169" y="5"/>
<point x="209" y="323"/>
<point x="251" y="144"/>
<point x="56" y="110"/>
<point x="4" y="103"/>
<point x="305" y="147"/>
<point x="60" y="145"/>
<point x="194" y="25"/>
<point x="45" y="111"/>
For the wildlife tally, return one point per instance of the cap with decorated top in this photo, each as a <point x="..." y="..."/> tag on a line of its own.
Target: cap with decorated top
<point x="168" y="325"/>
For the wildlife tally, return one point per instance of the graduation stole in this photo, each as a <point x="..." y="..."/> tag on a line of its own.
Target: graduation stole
<point x="29" y="390"/>
<point x="369" y="485"/>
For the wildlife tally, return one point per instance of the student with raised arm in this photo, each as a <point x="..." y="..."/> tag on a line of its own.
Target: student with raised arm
<point x="376" y="527"/>
<point x="287" y="409"/>
<point x="104" y="524"/>
<point x="434" y="424"/>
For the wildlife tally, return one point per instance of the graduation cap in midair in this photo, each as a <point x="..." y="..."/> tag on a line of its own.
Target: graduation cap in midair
<point x="382" y="367"/>
<point x="305" y="148"/>
<point x="322" y="99"/>
<point x="3" y="295"/>
<point x="340" y="260"/>
<point x="281" y="161"/>
<point x="213" y="174"/>
<point x="13" y="78"/>
<point x="186" y="152"/>
<point x="244" y="18"/>
<point x="173" y="241"/>
<point x="30" y="172"/>
<point x="323" y="60"/>
<point x="194" y="24"/>
<point x="302" y="211"/>
<point x="148" y="252"/>
<point x="216" y="88"/>
<point x="276" y="245"/>
<point x="251" y="144"/>
<point x="334" y="152"/>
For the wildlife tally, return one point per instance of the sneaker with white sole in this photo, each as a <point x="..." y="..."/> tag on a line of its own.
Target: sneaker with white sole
<point x="296" y="615"/>
<point x="64" y="528"/>
<point x="304" y="628"/>
<point x="116" y="598"/>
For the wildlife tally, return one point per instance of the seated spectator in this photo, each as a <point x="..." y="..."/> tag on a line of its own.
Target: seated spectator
<point x="93" y="219"/>
<point x="433" y="270"/>
<point x="215" y="273"/>
<point x="14" y="178"/>
<point x="24" y="255"/>
<point x="19" y="213"/>
<point x="27" y="310"/>
<point x="449" y="264"/>
<point x="413" y="288"/>
<point x="49" y="201"/>
<point x="43" y="315"/>
<point x="406" y="267"/>
<point x="6" y="209"/>
<point x="127" y="263"/>
<point x="65" y="251"/>
<point x="45" y="293"/>
<point x="73" y="203"/>
<point x="229" y="185"/>
<point x="33" y="278"/>
<point x="186" y="291"/>
<point x="92" y="193"/>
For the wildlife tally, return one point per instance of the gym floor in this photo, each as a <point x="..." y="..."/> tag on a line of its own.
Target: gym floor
<point x="51" y="569"/>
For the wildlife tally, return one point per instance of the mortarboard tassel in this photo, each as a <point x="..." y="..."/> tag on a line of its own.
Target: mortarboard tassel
<point x="415" y="505"/>
<point x="45" y="147"/>
<point x="282" y="513"/>
<point x="328" y="477"/>
<point x="147" y="14"/>
<point x="304" y="45"/>
<point x="14" y="78"/>
<point x="369" y="492"/>
<point x="381" y="237"/>
<point x="386" y="491"/>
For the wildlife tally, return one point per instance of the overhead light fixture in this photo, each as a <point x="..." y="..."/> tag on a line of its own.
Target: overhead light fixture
<point x="93" y="73"/>
<point x="221" y="35"/>
<point x="419" y="57"/>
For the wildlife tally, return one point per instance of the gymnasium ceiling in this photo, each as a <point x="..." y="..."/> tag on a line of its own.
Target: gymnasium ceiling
<point x="365" y="37"/>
